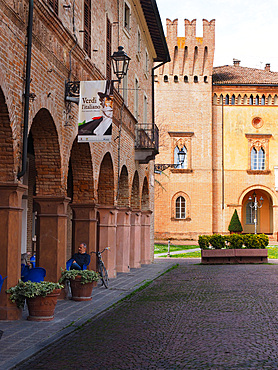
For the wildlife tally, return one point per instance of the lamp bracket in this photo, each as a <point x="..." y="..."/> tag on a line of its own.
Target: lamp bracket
<point x="72" y="91"/>
<point x="163" y="166"/>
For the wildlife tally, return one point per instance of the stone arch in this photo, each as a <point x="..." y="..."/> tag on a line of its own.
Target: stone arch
<point x="7" y="169"/>
<point x="265" y="214"/>
<point x="145" y="200"/>
<point x="245" y="100"/>
<point x="215" y="99"/>
<point x="221" y="99"/>
<point x="238" y="101"/>
<point x="135" y="195"/>
<point x="187" y="207"/>
<point x="47" y="155"/>
<point x="80" y="173"/>
<point x="123" y="195"/>
<point x="106" y="181"/>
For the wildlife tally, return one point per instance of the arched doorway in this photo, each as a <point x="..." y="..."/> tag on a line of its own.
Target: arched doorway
<point x="261" y="215"/>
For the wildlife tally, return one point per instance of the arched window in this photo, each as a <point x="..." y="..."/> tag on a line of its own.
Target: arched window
<point x="275" y="102"/>
<point x="165" y="78"/>
<point x="257" y="101"/>
<point x="180" y="207"/>
<point x="257" y="159"/>
<point x="263" y="100"/>
<point x="215" y="99"/>
<point x="238" y="99"/>
<point x="176" y="79"/>
<point x="250" y="213"/>
<point x="233" y="100"/>
<point x="176" y="158"/>
<point x="269" y="100"/>
<point x="227" y="99"/>
<point x="185" y="79"/>
<point x="195" y="79"/>
<point x="251" y="100"/>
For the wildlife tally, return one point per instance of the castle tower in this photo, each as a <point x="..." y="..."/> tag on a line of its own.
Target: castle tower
<point x="183" y="93"/>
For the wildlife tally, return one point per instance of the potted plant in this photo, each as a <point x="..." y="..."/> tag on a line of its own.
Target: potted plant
<point x="41" y="298"/>
<point x="81" y="283"/>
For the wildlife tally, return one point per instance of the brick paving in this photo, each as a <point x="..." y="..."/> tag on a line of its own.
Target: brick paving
<point x="193" y="317"/>
<point x="22" y="339"/>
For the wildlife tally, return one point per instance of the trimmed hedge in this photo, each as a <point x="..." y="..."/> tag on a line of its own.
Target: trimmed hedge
<point x="233" y="241"/>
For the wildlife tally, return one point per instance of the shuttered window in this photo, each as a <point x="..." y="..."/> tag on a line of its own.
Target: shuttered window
<point x="108" y="49"/>
<point x="87" y="27"/>
<point x="54" y="5"/>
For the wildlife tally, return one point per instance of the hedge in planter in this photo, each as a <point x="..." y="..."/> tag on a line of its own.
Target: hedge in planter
<point x="233" y="241"/>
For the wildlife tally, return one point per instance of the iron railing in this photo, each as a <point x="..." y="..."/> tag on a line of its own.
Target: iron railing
<point x="147" y="136"/>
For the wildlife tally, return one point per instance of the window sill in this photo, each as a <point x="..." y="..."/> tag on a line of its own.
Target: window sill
<point x="181" y="219"/>
<point x="258" y="172"/>
<point x="181" y="170"/>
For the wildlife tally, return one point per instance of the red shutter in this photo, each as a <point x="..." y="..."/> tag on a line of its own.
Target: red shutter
<point x="54" y="5"/>
<point x="108" y="49"/>
<point x="87" y="27"/>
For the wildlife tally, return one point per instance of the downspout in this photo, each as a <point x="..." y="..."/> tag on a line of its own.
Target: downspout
<point x="27" y="89"/>
<point x="222" y="164"/>
<point x="153" y="113"/>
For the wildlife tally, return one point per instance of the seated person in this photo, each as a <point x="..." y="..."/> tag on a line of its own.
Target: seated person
<point x="81" y="258"/>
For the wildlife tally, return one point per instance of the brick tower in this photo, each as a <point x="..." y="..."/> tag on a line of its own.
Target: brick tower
<point x="183" y="93"/>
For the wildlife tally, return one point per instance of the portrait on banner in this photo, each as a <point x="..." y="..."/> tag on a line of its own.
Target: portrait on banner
<point x="95" y="111"/>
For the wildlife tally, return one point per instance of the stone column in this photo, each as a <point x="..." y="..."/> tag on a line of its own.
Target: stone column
<point x="52" y="235"/>
<point x="108" y="237"/>
<point x="135" y="239"/>
<point x="123" y="240"/>
<point x="10" y="245"/>
<point x="146" y="237"/>
<point x="84" y="229"/>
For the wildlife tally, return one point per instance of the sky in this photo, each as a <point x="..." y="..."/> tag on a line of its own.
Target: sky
<point x="244" y="29"/>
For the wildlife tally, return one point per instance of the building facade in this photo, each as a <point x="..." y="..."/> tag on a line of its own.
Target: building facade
<point x="224" y="120"/>
<point x="67" y="192"/>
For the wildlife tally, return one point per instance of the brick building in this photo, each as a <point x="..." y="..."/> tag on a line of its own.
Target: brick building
<point x="98" y="193"/>
<point x="225" y="121"/>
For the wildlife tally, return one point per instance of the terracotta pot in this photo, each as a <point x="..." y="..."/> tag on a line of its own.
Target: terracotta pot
<point x="42" y="308"/>
<point x="81" y="292"/>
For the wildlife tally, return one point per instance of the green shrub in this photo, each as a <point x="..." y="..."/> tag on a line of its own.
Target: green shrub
<point x="235" y="224"/>
<point x="235" y="241"/>
<point x="217" y="241"/>
<point x="264" y="240"/>
<point x="203" y="241"/>
<point x="255" y="241"/>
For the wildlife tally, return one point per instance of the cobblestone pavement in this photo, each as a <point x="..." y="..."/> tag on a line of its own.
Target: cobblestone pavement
<point x="193" y="317"/>
<point x="22" y="339"/>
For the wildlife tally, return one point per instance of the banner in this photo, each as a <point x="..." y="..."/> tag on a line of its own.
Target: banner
<point x="95" y="111"/>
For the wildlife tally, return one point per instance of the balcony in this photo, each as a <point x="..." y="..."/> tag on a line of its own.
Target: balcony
<point x="146" y="142"/>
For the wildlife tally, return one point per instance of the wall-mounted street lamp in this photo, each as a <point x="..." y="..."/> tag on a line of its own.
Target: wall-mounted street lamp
<point x="120" y="62"/>
<point x="255" y="205"/>
<point x="158" y="168"/>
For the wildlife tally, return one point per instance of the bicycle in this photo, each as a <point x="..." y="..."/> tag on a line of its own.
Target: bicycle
<point x="101" y="268"/>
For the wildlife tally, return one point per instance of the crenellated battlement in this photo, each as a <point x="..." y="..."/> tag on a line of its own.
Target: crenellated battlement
<point x="190" y="55"/>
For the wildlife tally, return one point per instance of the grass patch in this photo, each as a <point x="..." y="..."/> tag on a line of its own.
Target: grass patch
<point x="196" y="254"/>
<point x="272" y="251"/>
<point x="162" y="248"/>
